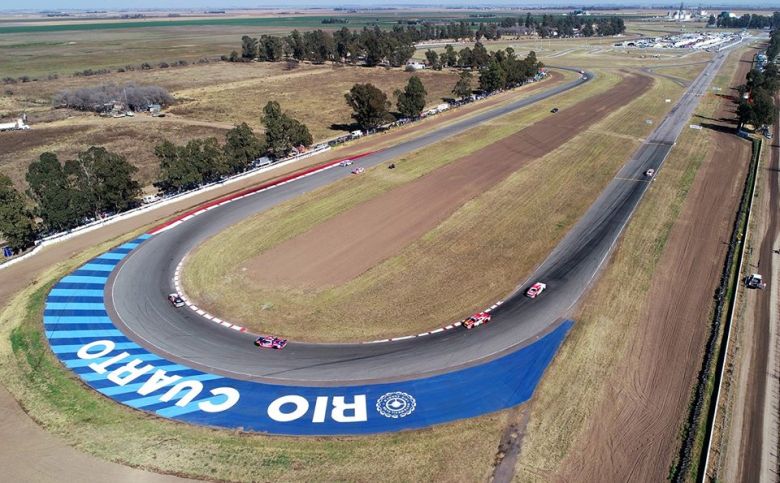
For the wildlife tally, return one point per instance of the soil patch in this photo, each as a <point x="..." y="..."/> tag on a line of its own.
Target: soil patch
<point x="633" y="434"/>
<point x="350" y="243"/>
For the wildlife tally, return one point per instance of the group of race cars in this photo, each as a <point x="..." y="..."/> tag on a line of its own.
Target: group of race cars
<point x="484" y="317"/>
<point x="273" y="342"/>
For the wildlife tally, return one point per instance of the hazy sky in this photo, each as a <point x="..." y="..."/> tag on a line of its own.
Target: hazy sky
<point x="286" y="4"/>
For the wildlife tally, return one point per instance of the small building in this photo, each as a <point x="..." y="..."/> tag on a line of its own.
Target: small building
<point x="415" y="65"/>
<point x="154" y="109"/>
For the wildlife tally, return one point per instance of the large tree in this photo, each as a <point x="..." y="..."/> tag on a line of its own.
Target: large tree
<point x="433" y="59"/>
<point x="283" y="132"/>
<point x="16" y="221"/>
<point x="763" y="108"/>
<point x="248" y="47"/>
<point x="449" y="57"/>
<point x="369" y="105"/>
<point x="492" y="77"/>
<point x="59" y="205"/>
<point x="744" y="113"/>
<point x="463" y="86"/>
<point x="242" y="147"/>
<point x="411" y="101"/>
<point x="176" y="172"/>
<point x="103" y="181"/>
<point x="208" y="158"/>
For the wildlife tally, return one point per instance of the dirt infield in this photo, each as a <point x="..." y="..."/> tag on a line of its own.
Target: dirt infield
<point x="352" y="242"/>
<point x="29" y="453"/>
<point x="633" y="434"/>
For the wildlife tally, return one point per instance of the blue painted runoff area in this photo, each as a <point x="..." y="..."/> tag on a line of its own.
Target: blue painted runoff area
<point x="83" y="337"/>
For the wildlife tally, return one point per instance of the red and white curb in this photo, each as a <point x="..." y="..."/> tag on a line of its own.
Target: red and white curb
<point x="195" y="308"/>
<point x="180" y="290"/>
<point x="250" y="192"/>
<point x="435" y="331"/>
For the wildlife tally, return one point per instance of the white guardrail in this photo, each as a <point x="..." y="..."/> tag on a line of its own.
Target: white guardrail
<point x="59" y="237"/>
<point x="727" y="329"/>
<point x="51" y="239"/>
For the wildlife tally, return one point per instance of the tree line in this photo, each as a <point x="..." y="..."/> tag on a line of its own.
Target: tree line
<point x="369" y="46"/>
<point x="746" y="21"/>
<point x="95" y="183"/>
<point x="374" y="46"/>
<point x="760" y="88"/>
<point x="202" y="161"/>
<point x="498" y="70"/>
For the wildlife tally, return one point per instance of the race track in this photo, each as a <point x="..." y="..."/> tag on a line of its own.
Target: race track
<point x="135" y="290"/>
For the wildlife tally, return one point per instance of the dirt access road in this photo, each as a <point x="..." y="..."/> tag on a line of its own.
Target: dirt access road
<point x="633" y="434"/>
<point x="350" y="243"/>
<point x="28" y="452"/>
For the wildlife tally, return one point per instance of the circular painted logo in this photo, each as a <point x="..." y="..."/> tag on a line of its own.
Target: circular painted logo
<point x="396" y="405"/>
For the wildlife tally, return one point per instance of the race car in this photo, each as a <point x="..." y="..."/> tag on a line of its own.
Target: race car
<point x="176" y="300"/>
<point x="270" y="342"/>
<point x="476" y="319"/>
<point x="346" y="162"/>
<point x="357" y="170"/>
<point x="535" y="290"/>
<point x="649" y="173"/>
<point x="554" y="110"/>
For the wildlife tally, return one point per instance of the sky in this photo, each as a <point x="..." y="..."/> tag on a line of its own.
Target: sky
<point x="288" y="4"/>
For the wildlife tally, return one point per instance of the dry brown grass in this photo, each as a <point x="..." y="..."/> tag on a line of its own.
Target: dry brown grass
<point x="432" y="281"/>
<point x="212" y="98"/>
<point x="575" y="381"/>
<point x="59" y="402"/>
<point x="133" y="138"/>
<point x="311" y="93"/>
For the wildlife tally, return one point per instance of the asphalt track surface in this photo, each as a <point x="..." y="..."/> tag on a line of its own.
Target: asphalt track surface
<point x="136" y="292"/>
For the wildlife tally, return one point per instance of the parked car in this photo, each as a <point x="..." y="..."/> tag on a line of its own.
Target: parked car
<point x="476" y="319"/>
<point x="176" y="300"/>
<point x="270" y="342"/>
<point x="535" y="290"/>
<point x="755" y="281"/>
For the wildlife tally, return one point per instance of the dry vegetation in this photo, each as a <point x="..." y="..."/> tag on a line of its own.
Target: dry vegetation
<point x="414" y="290"/>
<point x="314" y="94"/>
<point x="575" y="381"/>
<point x="211" y="98"/>
<point x="54" y="398"/>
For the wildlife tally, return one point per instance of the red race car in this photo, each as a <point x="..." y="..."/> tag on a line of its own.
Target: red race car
<point x="176" y="300"/>
<point x="535" y="290"/>
<point x="477" y="319"/>
<point x="270" y="342"/>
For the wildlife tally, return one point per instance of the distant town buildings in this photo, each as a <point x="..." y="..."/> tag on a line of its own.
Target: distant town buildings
<point x="683" y="15"/>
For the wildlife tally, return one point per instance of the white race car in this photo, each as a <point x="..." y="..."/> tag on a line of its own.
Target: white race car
<point x="176" y="300"/>
<point x="535" y="290"/>
<point x="346" y="162"/>
<point x="477" y="319"/>
<point x="358" y="170"/>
